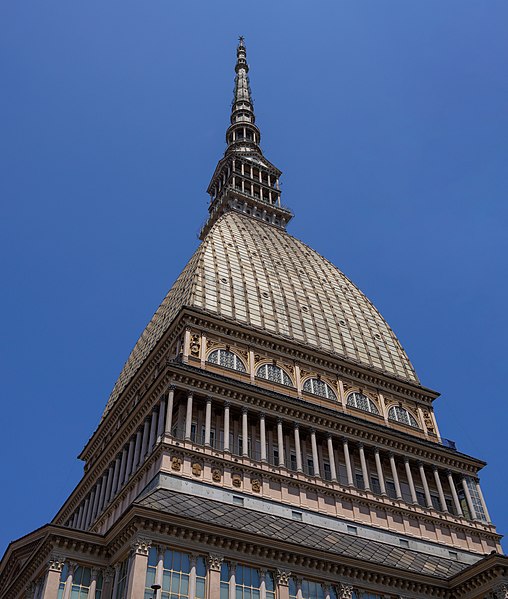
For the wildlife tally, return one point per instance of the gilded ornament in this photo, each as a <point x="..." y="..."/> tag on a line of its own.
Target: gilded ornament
<point x="236" y="479"/>
<point x="256" y="485"/>
<point x="176" y="463"/>
<point x="216" y="475"/>
<point x="197" y="469"/>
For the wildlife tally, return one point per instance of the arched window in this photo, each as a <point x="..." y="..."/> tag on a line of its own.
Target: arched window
<point x="399" y="414"/>
<point x="226" y="358"/>
<point x="361" y="402"/>
<point x="274" y="373"/>
<point x="319" y="387"/>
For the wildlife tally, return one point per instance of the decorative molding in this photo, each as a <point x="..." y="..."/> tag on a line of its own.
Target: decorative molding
<point x="214" y="561"/>
<point x="141" y="545"/>
<point x="282" y="577"/>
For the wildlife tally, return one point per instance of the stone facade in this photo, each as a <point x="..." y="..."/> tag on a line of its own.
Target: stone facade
<point x="268" y="437"/>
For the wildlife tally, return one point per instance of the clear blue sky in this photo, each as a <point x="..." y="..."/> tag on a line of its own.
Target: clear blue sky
<point x="389" y="120"/>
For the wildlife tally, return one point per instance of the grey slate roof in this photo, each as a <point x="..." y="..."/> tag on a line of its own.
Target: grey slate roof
<point x="238" y="518"/>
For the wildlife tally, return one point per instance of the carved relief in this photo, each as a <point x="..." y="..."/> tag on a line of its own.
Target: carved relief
<point x="236" y="479"/>
<point x="256" y="485"/>
<point x="501" y="591"/>
<point x="56" y="563"/>
<point x="176" y="463"/>
<point x="215" y="562"/>
<point x="345" y="591"/>
<point x="283" y="577"/>
<point x="210" y="344"/>
<point x="197" y="468"/>
<point x="141" y="545"/>
<point x="195" y="345"/>
<point x="216" y="475"/>
<point x="427" y="419"/>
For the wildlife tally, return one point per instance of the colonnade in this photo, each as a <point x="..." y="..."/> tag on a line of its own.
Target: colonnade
<point x="268" y="438"/>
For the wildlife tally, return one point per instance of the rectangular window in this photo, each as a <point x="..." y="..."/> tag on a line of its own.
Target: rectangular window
<point x="390" y="489"/>
<point x="327" y="471"/>
<point x="360" y="484"/>
<point x="374" y="485"/>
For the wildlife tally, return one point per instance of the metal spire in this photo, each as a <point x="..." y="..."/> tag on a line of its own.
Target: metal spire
<point x="244" y="180"/>
<point x="242" y="135"/>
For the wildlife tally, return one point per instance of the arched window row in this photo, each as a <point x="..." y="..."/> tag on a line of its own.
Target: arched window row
<point x="274" y="373"/>
<point x="175" y="573"/>
<point x="361" y="402"/>
<point x="403" y="416"/>
<point x="319" y="387"/>
<point x="227" y="359"/>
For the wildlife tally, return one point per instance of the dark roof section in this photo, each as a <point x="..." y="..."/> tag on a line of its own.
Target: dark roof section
<point x="238" y="518"/>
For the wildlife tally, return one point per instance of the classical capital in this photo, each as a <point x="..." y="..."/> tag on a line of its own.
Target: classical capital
<point x="30" y="590"/>
<point x="141" y="545"/>
<point x="345" y="591"/>
<point x="171" y="387"/>
<point x="109" y="574"/>
<point x="215" y="562"/>
<point x="56" y="563"/>
<point x="283" y="577"/>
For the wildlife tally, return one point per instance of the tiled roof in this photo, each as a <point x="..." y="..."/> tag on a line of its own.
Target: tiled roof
<point x="236" y="518"/>
<point x="261" y="277"/>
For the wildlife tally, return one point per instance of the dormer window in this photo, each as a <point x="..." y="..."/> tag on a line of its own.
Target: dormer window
<point x="227" y="359"/>
<point x="274" y="373"/>
<point x="319" y="387"/>
<point x="361" y="402"/>
<point x="400" y="414"/>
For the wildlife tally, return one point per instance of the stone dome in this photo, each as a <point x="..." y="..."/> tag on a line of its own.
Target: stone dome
<point x="261" y="277"/>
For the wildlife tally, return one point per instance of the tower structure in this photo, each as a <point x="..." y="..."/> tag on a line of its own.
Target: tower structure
<point x="267" y="438"/>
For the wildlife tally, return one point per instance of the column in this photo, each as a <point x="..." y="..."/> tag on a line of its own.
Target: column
<point x="116" y="471"/>
<point x="144" y="440"/>
<point x="469" y="500"/>
<point x="379" y="470"/>
<point x="192" y="577"/>
<point x="108" y="577"/>
<point x="214" y="562"/>
<point x="188" y="418"/>
<point x="93" y="583"/>
<point x="439" y="486"/>
<point x="331" y="457"/>
<point x="347" y="459"/>
<point x="208" y="421"/>
<point x="315" y="458"/>
<point x="280" y="442"/>
<point x="298" y="448"/>
<point x="363" y="462"/>
<point x="262" y="583"/>
<point x="137" y="451"/>
<point x="245" y="433"/>
<point x="123" y="465"/>
<point x="186" y="344"/>
<point x="282" y="578"/>
<point x="52" y="581"/>
<point x="159" y="570"/>
<point x="453" y="489"/>
<point x="160" y="421"/>
<point x="137" y="570"/>
<point x="395" y="475"/>
<point x="98" y="489"/>
<point x="68" y="583"/>
<point x="90" y="507"/>
<point x="428" y="499"/>
<point x="482" y="500"/>
<point x="227" y="406"/>
<point x="169" y="410"/>
<point x="102" y="498"/>
<point x="410" y="480"/>
<point x="262" y="436"/>
<point x="153" y="430"/>
<point x="130" y="456"/>
<point x="81" y="522"/>
<point x="232" y="580"/>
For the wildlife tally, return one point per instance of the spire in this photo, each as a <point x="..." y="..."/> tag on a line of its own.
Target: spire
<point x="242" y="135"/>
<point x="244" y="180"/>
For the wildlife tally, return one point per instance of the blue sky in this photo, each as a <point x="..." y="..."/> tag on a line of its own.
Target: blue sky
<point x="389" y="122"/>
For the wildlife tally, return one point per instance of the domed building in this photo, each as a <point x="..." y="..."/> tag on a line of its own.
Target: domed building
<point x="267" y="438"/>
